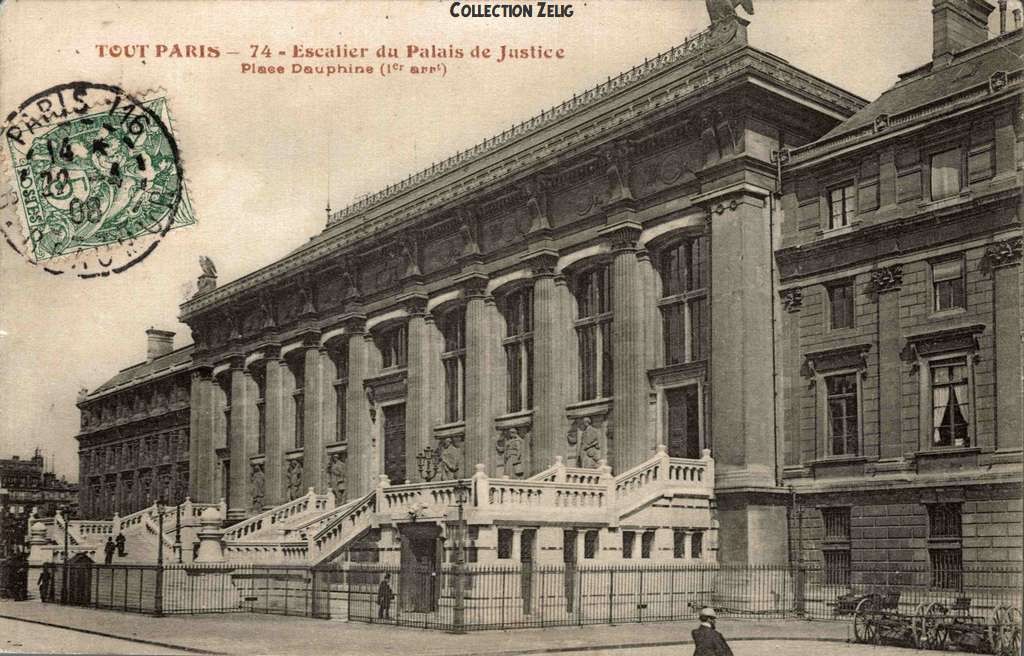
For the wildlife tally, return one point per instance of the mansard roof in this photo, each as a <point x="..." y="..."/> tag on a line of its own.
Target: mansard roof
<point x="928" y="91"/>
<point x="142" y="372"/>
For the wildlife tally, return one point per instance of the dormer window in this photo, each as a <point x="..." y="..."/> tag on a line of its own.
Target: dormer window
<point x="842" y="202"/>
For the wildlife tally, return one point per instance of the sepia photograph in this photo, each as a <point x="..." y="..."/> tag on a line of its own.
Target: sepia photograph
<point x="501" y="327"/>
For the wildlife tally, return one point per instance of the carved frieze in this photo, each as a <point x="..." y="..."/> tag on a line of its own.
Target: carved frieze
<point x="1001" y="253"/>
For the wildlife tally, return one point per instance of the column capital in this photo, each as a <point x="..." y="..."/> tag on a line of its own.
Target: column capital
<point x="474" y="285"/>
<point x="623" y="235"/>
<point x="201" y="370"/>
<point x="1002" y="253"/>
<point x="415" y="304"/>
<point x="542" y="262"/>
<point x="730" y="197"/>
<point x="792" y="299"/>
<point x="887" y="278"/>
<point x="354" y="324"/>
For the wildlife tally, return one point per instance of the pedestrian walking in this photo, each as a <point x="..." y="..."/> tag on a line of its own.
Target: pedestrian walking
<point x="384" y="596"/>
<point x="108" y="551"/>
<point x="121" y="553"/>
<point x="706" y="640"/>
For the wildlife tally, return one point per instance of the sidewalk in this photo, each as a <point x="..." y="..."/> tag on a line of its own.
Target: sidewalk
<point x="247" y="633"/>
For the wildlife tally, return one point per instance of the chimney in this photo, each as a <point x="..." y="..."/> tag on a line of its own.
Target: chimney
<point x="158" y="343"/>
<point x="958" y="25"/>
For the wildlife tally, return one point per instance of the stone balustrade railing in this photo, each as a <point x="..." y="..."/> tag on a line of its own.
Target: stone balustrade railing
<point x="507" y="493"/>
<point x="431" y="498"/>
<point x="349" y="523"/>
<point x="269" y="552"/>
<point x="309" y="502"/>
<point x="86" y="527"/>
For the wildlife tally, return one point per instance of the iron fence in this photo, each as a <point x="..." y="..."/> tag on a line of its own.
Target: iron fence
<point x="523" y="596"/>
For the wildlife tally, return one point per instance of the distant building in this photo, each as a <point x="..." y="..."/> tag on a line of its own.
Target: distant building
<point x="25" y="485"/>
<point x="133" y="442"/>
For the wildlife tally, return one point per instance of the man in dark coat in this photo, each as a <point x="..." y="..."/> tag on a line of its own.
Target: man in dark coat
<point x="108" y="551"/>
<point x="706" y="640"/>
<point x="384" y="595"/>
<point x="119" y="542"/>
<point x="46" y="584"/>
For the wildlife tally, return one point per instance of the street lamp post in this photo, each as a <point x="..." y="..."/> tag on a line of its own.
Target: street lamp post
<point x="462" y="490"/>
<point x="158" y="602"/>
<point x="177" y="531"/>
<point x="64" y="582"/>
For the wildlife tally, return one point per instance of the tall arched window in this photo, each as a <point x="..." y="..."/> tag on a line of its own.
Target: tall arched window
<point x="517" y="307"/>
<point x="453" y="358"/>
<point x="684" y="308"/>
<point x="339" y="357"/>
<point x="594" y="332"/>
<point x="259" y="376"/>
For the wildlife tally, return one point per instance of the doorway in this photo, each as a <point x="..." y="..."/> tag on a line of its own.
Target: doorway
<point x="419" y="585"/>
<point x="394" y="443"/>
<point x="527" y="541"/>
<point x="683" y="421"/>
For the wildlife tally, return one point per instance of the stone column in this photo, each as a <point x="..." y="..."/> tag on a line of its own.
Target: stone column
<point x="417" y="404"/>
<point x="632" y="445"/>
<point x="273" y="401"/>
<point x="312" y="446"/>
<point x="359" y="473"/>
<point x="481" y="370"/>
<point x="238" y="482"/>
<point x="549" y="372"/>
<point x="201" y="454"/>
<point x="751" y="506"/>
<point x="1004" y="258"/>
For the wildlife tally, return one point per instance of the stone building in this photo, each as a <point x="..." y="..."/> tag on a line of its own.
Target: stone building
<point x="27" y="485"/>
<point x="900" y="336"/>
<point x="133" y="441"/>
<point x="699" y="304"/>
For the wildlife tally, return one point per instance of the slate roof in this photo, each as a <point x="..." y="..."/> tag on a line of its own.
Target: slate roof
<point x="933" y="81"/>
<point x="138" y="373"/>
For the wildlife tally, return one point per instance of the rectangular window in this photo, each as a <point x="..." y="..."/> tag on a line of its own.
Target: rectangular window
<point x="393" y="347"/>
<point x="590" y="545"/>
<point x="842" y="202"/>
<point x="298" y="399"/>
<point x="945" y="545"/>
<point x="593" y="332"/>
<point x="948" y="284"/>
<point x="843" y="424"/>
<point x="837" y="567"/>
<point x="945" y="167"/>
<point x="837" y="524"/>
<point x="697" y="545"/>
<point x="628" y="542"/>
<point x="504" y="543"/>
<point x="646" y="544"/>
<point x="261" y="426"/>
<point x="453" y="328"/>
<point x="950" y="403"/>
<point x="841" y="305"/>
<point x="684" y="274"/>
<point x="518" y="311"/>
<point x="340" y="414"/>
<point x="678" y="543"/>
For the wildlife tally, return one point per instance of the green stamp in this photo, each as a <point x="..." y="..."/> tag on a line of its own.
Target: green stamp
<point x="96" y="176"/>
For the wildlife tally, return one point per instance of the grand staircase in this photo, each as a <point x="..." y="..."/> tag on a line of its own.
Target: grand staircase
<point x="312" y="529"/>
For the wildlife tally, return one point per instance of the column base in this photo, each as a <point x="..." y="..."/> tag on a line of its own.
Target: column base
<point x="753" y="527"/>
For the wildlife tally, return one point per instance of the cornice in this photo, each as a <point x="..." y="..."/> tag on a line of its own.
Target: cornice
<point x="621" y="104"/>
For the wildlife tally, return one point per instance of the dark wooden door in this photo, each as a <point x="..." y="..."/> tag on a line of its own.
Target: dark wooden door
<point x="683" y="422"/>
<point x="420" y="583"/>
<point x="569" y="537"/>
<point x="394" y="443"/>
<point x="526" y="546"/>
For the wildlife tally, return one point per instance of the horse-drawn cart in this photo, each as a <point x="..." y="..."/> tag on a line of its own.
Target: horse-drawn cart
<point x="877" y="619"/>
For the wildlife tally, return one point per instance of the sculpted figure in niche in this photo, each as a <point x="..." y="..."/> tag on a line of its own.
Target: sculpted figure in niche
<point x="294" y="479"/>
<point x="257" y="483"/>
<point x="511" y="446"/>
<point x="451" y="459"/>
<point x="336" y="476"/>
<point x="586" y="440"/>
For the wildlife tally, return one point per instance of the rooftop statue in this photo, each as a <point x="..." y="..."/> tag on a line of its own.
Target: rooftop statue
<point x="208" y="278"/>
<point x="722" y="11"/>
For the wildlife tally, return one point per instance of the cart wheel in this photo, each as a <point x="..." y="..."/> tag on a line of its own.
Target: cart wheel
<point x="929" y="626"/>
<point x="1004" y="632"/>
<point x="864" y="627"/>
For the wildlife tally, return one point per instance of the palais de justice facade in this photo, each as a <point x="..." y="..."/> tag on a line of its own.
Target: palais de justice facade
<point x="715" y="252"/>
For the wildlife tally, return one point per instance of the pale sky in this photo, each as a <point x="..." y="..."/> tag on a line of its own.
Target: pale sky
<point x="255" y="148"/>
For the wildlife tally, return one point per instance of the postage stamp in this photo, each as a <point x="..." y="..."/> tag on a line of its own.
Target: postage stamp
<point x="90" y="179"/>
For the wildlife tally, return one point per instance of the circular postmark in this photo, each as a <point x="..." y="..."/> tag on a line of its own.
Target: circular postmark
<point x="90" y="179"/>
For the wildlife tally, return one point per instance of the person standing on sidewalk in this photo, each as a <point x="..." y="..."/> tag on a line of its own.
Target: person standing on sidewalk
<point x="706" y="640"/>
<point x="108" y="551"/>
<point x="384" y="595"/>
<point x="119" y="542"/>
<point x="45" y="584"/>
